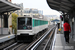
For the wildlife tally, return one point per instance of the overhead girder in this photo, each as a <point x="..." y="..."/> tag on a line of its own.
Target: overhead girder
<point x="72" y="1"/>
<point x="61" y="5"/>
<point x="7" y="6"/>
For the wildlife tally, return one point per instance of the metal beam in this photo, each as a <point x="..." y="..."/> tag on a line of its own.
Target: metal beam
<point x="51" y="1"/>
<point x="9" y="9"/>
<point x="72" y="1"/>
<point x="10" y="4"/>
<point x="5" y="7"/>
<point x="55" y="8"/>
<point x="1" y="4"/>
<point x="63" y="10"/>
<point x="54" y="5"/>
<point x="67" y="8"/>
<point x="67" y="4"/>
<point x="63" y="5"/>
<point x="1" y="25"/>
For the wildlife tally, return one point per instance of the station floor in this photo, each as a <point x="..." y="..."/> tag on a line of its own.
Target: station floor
<point x="60" y="43"/>
<point x="2" y="35"/>
<point x="6" y="37"/>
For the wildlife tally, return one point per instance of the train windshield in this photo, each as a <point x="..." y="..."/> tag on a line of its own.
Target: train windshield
<point x="24" y="23"/>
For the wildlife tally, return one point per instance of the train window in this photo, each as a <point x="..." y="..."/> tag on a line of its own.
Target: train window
<point x="24" y="23"/>
<point x="29" y="21"/>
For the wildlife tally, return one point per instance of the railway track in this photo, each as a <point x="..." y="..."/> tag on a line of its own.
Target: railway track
<point x="16" y="46"/>
<point x="45" y="44"/>
<point x="27" y="46"/>
<point x="6" y="44"/>
<point x="39" y="41"/>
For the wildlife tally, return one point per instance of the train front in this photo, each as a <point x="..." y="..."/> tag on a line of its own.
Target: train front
<point x="24" y="29"/>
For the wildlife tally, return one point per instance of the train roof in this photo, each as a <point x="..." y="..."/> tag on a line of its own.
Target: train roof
<point x="42" y="18"/>
<point x="37" y="17"/>
<point x="24" y="16"/>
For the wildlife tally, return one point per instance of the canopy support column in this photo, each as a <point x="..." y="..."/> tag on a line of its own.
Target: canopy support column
<point x="1" y="25"/>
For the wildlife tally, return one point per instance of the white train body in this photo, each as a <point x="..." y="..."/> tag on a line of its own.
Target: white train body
<point x="37" y="29"/>
<point x="31" y="26"/>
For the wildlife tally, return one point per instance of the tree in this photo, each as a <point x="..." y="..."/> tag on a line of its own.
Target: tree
<point x="14" y="22"/>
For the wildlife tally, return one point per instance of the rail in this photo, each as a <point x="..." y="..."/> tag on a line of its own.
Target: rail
<point x="49" y="41"/>
<point x="36" y="44"/>
<point x="54" y="39"/>
<point x="9" y="46"/>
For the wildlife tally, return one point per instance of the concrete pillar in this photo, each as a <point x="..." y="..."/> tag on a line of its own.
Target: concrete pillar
<point x="62" y="30"/>
<point x="7" y="15"/>
<point x="63" y="18"/>
<point x="1" y="25"/>
<point x="61" y="26"/>
<point x="73" y="23"/>
<point x="74" y="26"/>
<point x="74" y="29"/>
<point x="10" y="23"/>
<point x="70" y="22"/>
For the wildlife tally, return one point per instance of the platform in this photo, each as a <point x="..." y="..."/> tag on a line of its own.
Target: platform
<point x="6" y="37"/>
<point x="60" y="43"/>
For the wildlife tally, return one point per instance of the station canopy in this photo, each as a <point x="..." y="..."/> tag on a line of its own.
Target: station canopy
<point x="61" y="5"/>
<point x="56" y="20"/>
<point x="6" y="6"/>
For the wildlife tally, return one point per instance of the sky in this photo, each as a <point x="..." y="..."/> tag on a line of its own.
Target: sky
<point x="38" y="4"/>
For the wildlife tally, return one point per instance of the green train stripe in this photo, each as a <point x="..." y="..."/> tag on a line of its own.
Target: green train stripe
<point x="33" y="22"/>
<point x="38" y="22"/>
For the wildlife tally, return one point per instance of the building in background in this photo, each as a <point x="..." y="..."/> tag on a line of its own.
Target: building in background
<point x="52" y="17"/>
<point x="32" y="11"/>
<point x="28" y="11"/>
<point x="35" y="12"/>
<point x="40" y="12"/>
<point x="19" y="12"/>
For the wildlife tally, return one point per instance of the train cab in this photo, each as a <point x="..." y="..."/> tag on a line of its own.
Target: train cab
<point x="24" y="28"/>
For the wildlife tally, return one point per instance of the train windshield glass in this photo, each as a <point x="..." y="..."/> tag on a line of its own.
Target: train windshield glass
<point x="24" y="23"/>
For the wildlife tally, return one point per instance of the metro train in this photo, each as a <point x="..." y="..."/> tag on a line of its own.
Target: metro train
<point x="28" y="27"/>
